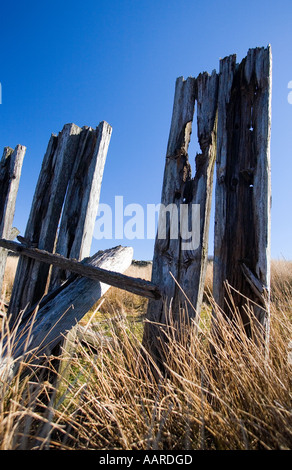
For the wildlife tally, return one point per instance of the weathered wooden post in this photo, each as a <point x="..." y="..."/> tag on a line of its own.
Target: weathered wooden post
<point x="72" y="171"/>
<point x="243" y="186"/>
<point x="241" y="98"/>
<point x="82" y="198"/>
<point x="10" y="171"/>
<point x="31" y="277"/>
<point x="183" y="249"/>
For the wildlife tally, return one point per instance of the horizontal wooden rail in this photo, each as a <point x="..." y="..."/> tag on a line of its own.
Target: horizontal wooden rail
<point x="38" y="332"/>
<point x="134" y="285"/>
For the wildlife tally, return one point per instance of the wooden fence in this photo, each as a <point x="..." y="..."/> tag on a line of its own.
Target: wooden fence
<point x="66" y="195"/>
<point x="47" y="302"/>
<point x="233" y="123"/>
<point x="233" y="127"/>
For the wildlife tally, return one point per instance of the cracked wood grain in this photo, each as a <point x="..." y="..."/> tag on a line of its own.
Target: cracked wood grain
<point x="179" y="267"/>
<point x="82" y="198"/>
<point x="243" y="186"/>
<point x="32" y="276"/>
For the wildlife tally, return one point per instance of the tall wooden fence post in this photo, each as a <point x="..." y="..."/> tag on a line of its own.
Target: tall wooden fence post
<point x="10" y="172"/>
<point x="241" y="98"/>
<point x="243" y="189"/>
<point x="67" y="193"/>
<point x="31" y="276"/>
<point x="181" y="250"/>
<point x="82" y="198"/>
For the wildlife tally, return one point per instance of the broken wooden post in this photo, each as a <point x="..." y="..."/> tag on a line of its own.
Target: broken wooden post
<point x="181" y="252"/>
<point x="198" y="191"/>
<point x="82" y="199"/>
<point x="31" y="276"/>
<point x="72" y="171"/>
<point x="167" y="245"/>
<point x="10" y="171"/>
<point x="243" y="189"/>
<point x="40" y="334"/>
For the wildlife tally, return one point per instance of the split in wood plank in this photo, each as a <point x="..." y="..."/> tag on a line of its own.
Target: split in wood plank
<point x="82" y="198"/>
<point x="243" y="186"/>
<point x="179" y="265"/>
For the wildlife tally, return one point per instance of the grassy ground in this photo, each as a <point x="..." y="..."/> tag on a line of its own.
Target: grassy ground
<point x="106" y="397"/>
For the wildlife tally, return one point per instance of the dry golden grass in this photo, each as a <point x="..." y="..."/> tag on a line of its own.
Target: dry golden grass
<point x="118" y="302"/>
<point x="237" y="398"/>
<point x="122" y="303"/>
<point x="281" y="281"/>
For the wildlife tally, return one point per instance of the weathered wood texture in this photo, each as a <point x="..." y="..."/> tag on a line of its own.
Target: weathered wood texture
<point x="185" y="259"/>
<point x="82" y="199"/>
<point x="131" y="284"/>
<point x="72" y="151"/>
<point x="41" y="333"/>
<point x="193" y="263"/>
<point x="236" y="104"/>
<point x="31" y="276"/>
<point x="243" y="186"/>
<point x="10" y="172"/>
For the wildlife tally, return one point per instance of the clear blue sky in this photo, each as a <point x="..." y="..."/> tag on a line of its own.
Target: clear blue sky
<point x="84" y="62"/>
